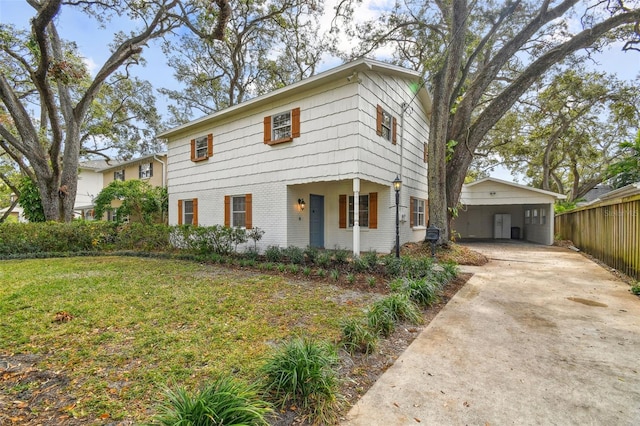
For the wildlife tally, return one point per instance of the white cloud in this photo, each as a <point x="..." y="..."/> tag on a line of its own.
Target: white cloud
<point x="92" y="66"/>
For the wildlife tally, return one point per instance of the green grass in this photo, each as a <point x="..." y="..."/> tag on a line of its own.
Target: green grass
<point x="142" y="324"/>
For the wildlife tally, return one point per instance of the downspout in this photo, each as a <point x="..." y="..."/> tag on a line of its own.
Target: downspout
<point x="164" y="177"/>
<point x="403" y="108"/>
<point x="164" y="170"/>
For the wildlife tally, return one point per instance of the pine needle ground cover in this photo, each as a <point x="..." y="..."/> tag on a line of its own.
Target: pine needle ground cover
<point x="110" y="334"/>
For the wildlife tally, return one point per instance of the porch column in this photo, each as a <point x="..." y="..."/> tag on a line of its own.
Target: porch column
<point x="356" y="217"/>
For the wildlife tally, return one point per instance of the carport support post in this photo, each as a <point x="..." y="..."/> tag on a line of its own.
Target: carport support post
<point x="356" y="217"/>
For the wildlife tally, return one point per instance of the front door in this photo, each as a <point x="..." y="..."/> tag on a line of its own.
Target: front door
<point x="316" y="221"/>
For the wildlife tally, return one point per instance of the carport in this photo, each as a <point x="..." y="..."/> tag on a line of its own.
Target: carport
<point x="496" y="209"/>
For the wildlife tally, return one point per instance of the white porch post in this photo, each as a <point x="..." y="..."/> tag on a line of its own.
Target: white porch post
<point x="356" y="217"/>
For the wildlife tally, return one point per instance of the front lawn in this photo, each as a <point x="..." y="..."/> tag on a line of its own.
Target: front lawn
<point x="109" y="334"/>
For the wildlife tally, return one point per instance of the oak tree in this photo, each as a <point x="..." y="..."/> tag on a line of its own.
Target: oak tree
<point x="47" y="95"/>
<point x="479" y="58"/>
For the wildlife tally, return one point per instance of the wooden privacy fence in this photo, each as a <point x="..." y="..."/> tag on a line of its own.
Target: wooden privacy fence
<point x="609" y="231"/>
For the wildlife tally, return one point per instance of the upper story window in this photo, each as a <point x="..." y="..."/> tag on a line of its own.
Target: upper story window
<point x="282" y="127"/>
<point x="145" y="171"/>
<point x="202" y="147"/>
<point x="386" y="125"/>
<point x="418" y="212"/>
<point x="118" y="175"/>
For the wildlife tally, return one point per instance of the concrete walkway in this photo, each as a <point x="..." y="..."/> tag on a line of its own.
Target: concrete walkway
<point x="538" y="336"/>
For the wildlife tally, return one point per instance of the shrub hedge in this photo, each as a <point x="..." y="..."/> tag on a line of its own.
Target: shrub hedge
<point x="80" y="237"/>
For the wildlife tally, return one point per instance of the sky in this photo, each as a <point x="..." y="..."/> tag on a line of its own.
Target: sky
<point x="92" y="42"/>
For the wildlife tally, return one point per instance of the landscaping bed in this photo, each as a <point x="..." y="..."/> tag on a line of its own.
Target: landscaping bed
<point x="75" y="366"/>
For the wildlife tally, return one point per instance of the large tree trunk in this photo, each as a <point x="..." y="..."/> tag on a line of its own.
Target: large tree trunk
<point x="443" y="87"/>
<point x="468" y="130"/>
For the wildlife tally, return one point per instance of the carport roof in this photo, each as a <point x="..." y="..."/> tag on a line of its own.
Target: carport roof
<point x="516" y="185"/>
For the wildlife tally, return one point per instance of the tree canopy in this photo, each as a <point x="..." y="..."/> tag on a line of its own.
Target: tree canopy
<point x="479" y="58"/>
<point x="266" y="46"/>
<point x="51" y="104"/>
<point x="564" y="133"/>
<point x="626" y="170"/>
<point x="134" y="200"/>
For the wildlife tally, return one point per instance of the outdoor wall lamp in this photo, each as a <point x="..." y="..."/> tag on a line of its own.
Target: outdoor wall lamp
<point x="301" y="204"/>
<point x="397" y="184"/>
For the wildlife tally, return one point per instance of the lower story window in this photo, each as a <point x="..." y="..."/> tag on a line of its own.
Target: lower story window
<point x="187" y="213"/>
<point x="238" y="211"/>
<point x="363" y="206"/>
<point x="418" y="212"/>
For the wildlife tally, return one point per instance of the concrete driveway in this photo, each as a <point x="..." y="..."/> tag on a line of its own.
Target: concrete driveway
<point x="538" y="336"/>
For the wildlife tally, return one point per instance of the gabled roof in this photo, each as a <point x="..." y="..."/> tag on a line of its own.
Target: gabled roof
<point x="93" y="164"/>
<point x="620" y="193"/>
<point x="342" y="71"/>
<point x="516" y="185"/>
<point x="121" y="164"/>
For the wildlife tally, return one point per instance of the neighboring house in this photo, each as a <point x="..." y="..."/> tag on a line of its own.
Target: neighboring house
<point x="150" y="168"/>
<point x="311" y="163"/>
<point x="17" y="213"/>
<point x="89" y="186"/>
<point x="595" y="193"/>
<point x="496" y="209"/>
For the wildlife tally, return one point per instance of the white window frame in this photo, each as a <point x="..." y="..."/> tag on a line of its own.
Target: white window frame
<point x="187" y="216"/>
<point x="281" y="126"/>
<point x="363" y="210"/>
<point x="387" y="125"/>
<point x="202" y="147"/>
<point x="238" y="217"/>
<point x="119" y="175"/>
<point x="527" y="217"/>
<point x="146" y="171"/>
<point x="534" y="220"/>
<point x="543" y="216"/>
<point x="419" y="212"/>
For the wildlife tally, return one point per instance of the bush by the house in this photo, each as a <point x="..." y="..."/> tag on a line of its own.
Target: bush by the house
<point x="55" y="237"/>
<point x="207" y="239"/>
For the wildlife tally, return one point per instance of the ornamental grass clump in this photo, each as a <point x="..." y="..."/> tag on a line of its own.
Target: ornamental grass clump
<point x="385" y="313"/>
<point x="422" y="291"/>
<point x="223" y="402"/>
<point x="303" y="373"/>
<point x="357" y="337"/>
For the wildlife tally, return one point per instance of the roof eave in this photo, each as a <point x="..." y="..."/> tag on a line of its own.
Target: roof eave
<point x="344" y="70"/>
<point x="517" y="185"/>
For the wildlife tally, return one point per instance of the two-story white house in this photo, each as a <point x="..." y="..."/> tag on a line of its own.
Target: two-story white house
<point x="311" y="163"/>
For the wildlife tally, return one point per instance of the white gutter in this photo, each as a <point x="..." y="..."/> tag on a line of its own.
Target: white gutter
<point x="164" y="170"/>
